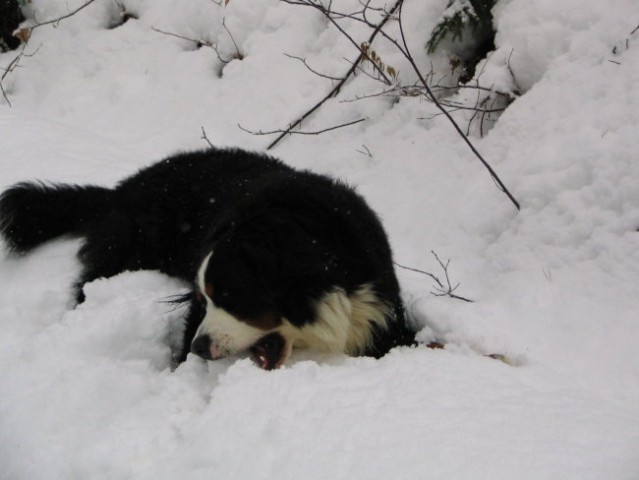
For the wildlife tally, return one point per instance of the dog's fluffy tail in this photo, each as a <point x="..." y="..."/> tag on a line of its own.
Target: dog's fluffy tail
<point x="32" y="213"/>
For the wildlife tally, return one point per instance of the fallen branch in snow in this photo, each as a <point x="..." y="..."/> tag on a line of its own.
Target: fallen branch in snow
<point x="442" y="289"/>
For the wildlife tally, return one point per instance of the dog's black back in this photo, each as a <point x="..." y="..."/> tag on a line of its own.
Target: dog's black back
<point x="298" y="234"/>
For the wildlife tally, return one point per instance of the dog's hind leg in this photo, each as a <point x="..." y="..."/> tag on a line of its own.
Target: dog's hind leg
<point x="109" y="249"/>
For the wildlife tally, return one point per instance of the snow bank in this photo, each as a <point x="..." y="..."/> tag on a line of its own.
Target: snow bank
<point x="88" y="393"/>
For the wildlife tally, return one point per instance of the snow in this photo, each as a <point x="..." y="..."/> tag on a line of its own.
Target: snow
<point x="89" y="393"/>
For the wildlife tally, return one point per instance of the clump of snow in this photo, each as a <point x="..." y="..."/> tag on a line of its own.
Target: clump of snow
<point x="89" y="392"/>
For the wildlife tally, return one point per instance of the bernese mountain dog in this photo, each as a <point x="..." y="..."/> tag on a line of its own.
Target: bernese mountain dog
<point x="277" y="258"/>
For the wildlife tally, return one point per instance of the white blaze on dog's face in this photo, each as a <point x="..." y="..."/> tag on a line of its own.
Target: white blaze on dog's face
<point x="221" y="332"/>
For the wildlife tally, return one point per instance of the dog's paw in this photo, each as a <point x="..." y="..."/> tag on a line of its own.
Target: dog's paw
<point x="270" y="352"/>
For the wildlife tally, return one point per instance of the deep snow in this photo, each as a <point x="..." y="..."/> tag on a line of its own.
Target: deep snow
<point x="88" y="392"/>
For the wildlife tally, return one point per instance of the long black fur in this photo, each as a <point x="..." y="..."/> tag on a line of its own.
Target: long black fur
<point x="282" y="237"/>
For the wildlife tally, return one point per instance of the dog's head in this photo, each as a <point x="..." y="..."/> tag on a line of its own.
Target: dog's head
<point x="241" y="308"/>
<point x="260" y="282"/>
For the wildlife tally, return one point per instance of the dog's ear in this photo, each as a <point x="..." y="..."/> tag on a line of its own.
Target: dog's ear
<point x="263" y="261"/>
<point x="277" y="254"/>
<point x="307" y="269"/>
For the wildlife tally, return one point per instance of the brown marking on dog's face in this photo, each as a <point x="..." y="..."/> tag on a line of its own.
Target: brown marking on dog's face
<point x="267" y="321"/>
<point x="209" y="290"/>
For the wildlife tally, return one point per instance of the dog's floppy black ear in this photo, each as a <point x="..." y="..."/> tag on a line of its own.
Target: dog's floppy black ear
<point x="276" y="253"/>
<point x="308" y="269"/>
<point x="263" y="261"/>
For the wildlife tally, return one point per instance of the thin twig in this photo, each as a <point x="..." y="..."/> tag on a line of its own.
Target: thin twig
<point x="56" y="21"/>
<point x="206" y="138"/>
<point x="417" y="270"/>
<point x="13" y="64"/>
<point x="239" y="54"/>
<point x="441" y="289"/>
<point x="198" y="43"/>
<point x="290" y="132"/>
<point x="182" y="37"/>
<point x="309" y="68"/>
<point x="365" y="151"/>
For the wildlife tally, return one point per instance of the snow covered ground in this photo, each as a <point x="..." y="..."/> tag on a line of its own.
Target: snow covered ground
<point x="88" y="392"/>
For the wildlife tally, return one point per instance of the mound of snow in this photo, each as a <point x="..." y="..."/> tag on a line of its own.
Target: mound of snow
<point x="89" y="392"/>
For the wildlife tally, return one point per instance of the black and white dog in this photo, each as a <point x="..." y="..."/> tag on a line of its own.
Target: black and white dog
<point x="277" y="258"/>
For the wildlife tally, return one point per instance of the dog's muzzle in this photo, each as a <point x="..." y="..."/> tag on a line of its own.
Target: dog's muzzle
<point x="203" y="347"/>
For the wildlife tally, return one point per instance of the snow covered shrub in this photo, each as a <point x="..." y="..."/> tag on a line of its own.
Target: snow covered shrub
<point x="122" y="16"/>
<point x="465" y="31"/>
<point x="480" y="83"/>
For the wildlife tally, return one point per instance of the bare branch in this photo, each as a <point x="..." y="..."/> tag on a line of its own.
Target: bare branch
<point x="365" y="151"/>
<point x="56" y="21"/>
<point x="336" y="89"/>
<point x="12" y="65"/>
<point x="238" y="54"/>
<point x="206" y="138"/>
<point x="288" y="131"/>
<point x="198" y="43"/>
<point x="442" y="289"/>
<point x="15" y="63"/>
<point x="367" y="54"/>
<point x="305" y="63"/>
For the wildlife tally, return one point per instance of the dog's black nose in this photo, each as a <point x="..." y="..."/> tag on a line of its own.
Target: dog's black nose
<point x="201" y="346"/>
